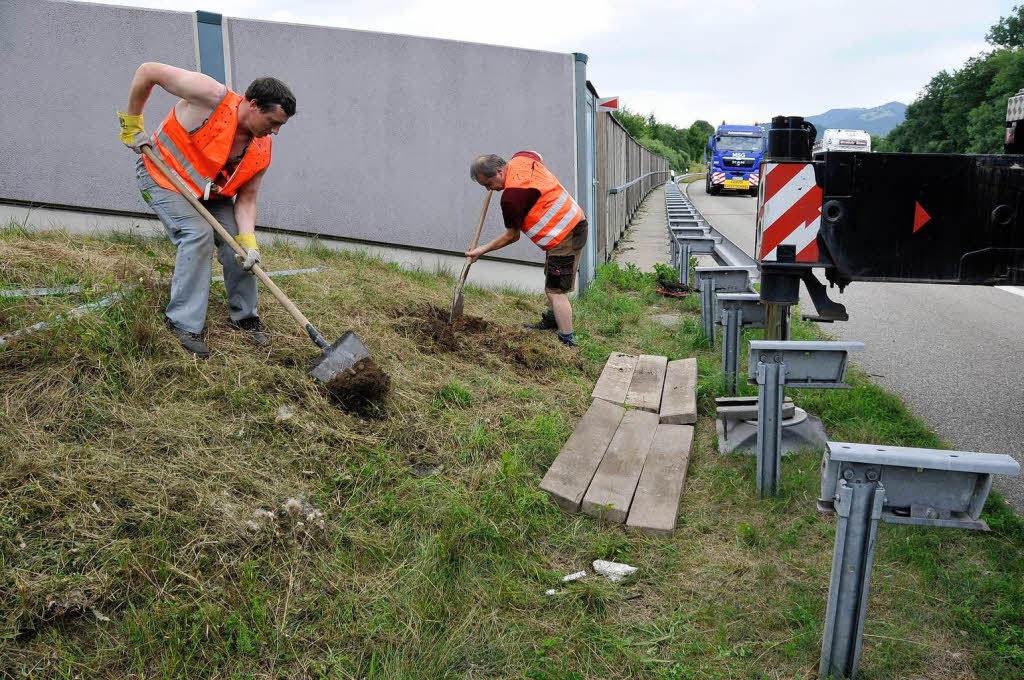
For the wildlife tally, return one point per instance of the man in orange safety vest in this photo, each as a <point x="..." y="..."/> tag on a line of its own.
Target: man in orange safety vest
<point x="217" y="142"/>
<point x="533" y="202"/>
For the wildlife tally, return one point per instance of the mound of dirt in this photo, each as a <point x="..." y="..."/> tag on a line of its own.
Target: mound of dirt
<point x="483" y="341"/>
<point x="359" y="386"/>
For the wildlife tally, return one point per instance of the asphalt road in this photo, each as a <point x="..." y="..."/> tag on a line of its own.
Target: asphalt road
<point x="954" y="354"/>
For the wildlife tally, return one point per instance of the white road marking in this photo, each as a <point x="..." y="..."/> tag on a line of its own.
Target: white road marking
<point x="1016" y="290"/>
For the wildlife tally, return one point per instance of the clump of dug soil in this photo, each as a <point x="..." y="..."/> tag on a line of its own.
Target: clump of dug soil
<point x="483" y="341"/>
<point x="359" y="386"/>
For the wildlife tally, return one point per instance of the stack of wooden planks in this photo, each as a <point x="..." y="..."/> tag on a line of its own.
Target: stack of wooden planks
<point x="626" y="461"/>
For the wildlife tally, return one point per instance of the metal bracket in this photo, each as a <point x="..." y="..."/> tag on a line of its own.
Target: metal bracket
<point x="711" y="280"/>
<point x="927" y="487"/>
<point x="774" y="365"/>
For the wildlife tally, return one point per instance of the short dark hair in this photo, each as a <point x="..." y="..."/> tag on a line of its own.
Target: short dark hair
<point x="268" y="91"/>
<point x="487" y="166"/>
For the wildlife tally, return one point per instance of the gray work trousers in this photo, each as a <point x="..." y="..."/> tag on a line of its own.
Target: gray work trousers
<point x="195" y="240"/>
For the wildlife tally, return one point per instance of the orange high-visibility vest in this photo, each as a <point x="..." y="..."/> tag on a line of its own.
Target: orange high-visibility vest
<point x="198" y="159"/>
<point x="555" y="213"/>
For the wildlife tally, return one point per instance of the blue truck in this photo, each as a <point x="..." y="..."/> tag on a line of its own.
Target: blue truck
<point x="733" y="158"/>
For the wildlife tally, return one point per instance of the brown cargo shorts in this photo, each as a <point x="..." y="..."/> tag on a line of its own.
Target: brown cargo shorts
<point x="562" y="261"/>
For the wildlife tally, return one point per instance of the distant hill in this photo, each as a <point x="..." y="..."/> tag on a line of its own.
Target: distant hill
<point x="877" y="121"/>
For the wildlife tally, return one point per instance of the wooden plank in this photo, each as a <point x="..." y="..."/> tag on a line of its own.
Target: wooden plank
<point x="656" y="502"/>
<point x="611" y="491"/>
<point x="615" y="378"/>
<point x="569" y="475"/>
<point x="679" y="398"/>
<point x="647" y="384"/>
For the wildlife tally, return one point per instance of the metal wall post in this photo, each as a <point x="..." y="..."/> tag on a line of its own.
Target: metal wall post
<point x="732" y="322"/>
<point x="771" y="380"/>
<point x="860" y="500"/>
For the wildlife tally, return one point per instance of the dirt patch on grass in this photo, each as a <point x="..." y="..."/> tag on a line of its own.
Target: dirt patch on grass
<point x="478" y="339"/>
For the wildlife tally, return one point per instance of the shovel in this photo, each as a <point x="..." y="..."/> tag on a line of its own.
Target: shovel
<point x="344" y="359"/>
<point x="458" y="300"/>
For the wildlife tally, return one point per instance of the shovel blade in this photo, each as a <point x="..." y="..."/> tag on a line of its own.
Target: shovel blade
<point x="456" y="311"/>
<point x="343" y="354"/>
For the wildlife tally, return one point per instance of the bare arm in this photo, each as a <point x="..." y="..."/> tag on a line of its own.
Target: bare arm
<point x="509" y="237"/>
<point x="195" y="89"/>
<point x="245" y="204"/>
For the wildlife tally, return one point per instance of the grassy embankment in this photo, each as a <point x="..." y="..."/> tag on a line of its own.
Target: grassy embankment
<point x="143" y="530"/>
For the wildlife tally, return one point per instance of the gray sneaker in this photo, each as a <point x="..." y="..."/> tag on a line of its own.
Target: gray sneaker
<point x="190" y="342"/>
<point x="253" y="329"/>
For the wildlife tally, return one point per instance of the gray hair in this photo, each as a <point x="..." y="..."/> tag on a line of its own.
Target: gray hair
<point x="487" y="166"/>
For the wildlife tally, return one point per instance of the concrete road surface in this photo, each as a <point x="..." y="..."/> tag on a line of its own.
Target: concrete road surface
<point x="954" y="354"/>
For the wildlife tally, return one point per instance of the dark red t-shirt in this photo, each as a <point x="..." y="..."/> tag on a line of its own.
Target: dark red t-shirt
<point x="517" y="203"/>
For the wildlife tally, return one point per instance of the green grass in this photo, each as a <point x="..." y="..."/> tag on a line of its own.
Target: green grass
<point x="146" y="527"/>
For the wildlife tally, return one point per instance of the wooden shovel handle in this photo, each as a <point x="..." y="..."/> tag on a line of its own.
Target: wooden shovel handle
<point x="227" y="238"/>
<point x="476" y="236"/>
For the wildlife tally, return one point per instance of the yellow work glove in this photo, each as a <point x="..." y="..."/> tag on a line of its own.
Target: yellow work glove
<point x="252" y="253"/>
<point x="133" y="133"/>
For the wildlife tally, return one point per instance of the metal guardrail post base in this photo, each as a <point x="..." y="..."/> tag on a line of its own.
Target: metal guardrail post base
<point x="771" y="380"/>
<point x="860" y="500"/>
<point x="707" y="308"/>
<point x="732" y="322"/>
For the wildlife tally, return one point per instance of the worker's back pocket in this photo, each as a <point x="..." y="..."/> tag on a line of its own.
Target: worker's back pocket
<point x="559" y="271"/>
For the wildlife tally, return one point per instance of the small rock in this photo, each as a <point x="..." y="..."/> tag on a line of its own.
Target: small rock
<point x="573" y="577"/>
<point x="99" y="615"/>
<point x="613" y="571"/>
<point x="285" y="412"/>
<point x="252" y="526"/>
<point x="96" y="507"/>
<point x="550" y="591"/>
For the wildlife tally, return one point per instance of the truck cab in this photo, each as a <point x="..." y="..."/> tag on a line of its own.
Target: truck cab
<point x="733" y="158"/>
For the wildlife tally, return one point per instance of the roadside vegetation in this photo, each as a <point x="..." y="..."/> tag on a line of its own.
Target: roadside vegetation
<point x="964" y="111"/>
<point x="683" y="147"/>
<point x="163" y="517"/>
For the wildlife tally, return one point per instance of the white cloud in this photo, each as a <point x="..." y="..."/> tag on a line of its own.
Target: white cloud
<point x="740" y="60"/>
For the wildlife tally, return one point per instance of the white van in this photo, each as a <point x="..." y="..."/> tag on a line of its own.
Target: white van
<point x="842" y="140"/>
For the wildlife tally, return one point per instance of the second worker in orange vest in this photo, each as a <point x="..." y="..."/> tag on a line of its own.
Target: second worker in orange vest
<point x="534" y="203"/>
<point x="217" y="142"/>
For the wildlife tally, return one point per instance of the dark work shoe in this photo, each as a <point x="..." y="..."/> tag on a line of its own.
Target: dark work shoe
<point x="190" y="342"/>
<point x="547" y="322"/>
<point x="253" y="329"/>
<point x="568" y="339"/>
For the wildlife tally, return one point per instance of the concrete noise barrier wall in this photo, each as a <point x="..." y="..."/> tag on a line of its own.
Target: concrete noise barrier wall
<point x="379" y="151"/>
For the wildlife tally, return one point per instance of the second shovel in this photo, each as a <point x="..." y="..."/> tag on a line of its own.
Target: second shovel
<point x="458" y="300"/>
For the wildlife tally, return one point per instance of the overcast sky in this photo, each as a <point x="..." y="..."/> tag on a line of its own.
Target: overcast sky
<point x="740" y="60"/>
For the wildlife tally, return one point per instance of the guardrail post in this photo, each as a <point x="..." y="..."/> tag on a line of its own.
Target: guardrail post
<point x="732" y="321"/>
<point x="771" y="378"/>
<point x="861" y="497"/>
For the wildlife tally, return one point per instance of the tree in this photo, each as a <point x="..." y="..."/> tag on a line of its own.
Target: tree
<point x="1009" y="31"/>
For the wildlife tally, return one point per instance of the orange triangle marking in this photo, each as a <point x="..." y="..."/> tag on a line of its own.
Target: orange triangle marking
<point x="920" y="216"/>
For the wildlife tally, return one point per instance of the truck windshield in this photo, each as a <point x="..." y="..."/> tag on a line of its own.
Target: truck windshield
<point x="735" y="143"/>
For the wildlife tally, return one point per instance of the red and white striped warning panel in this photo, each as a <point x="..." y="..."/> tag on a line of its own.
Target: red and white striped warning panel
<point x="754" y="177"/>
<point x="790" y="211"/>
<point x="717" y="177"/>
